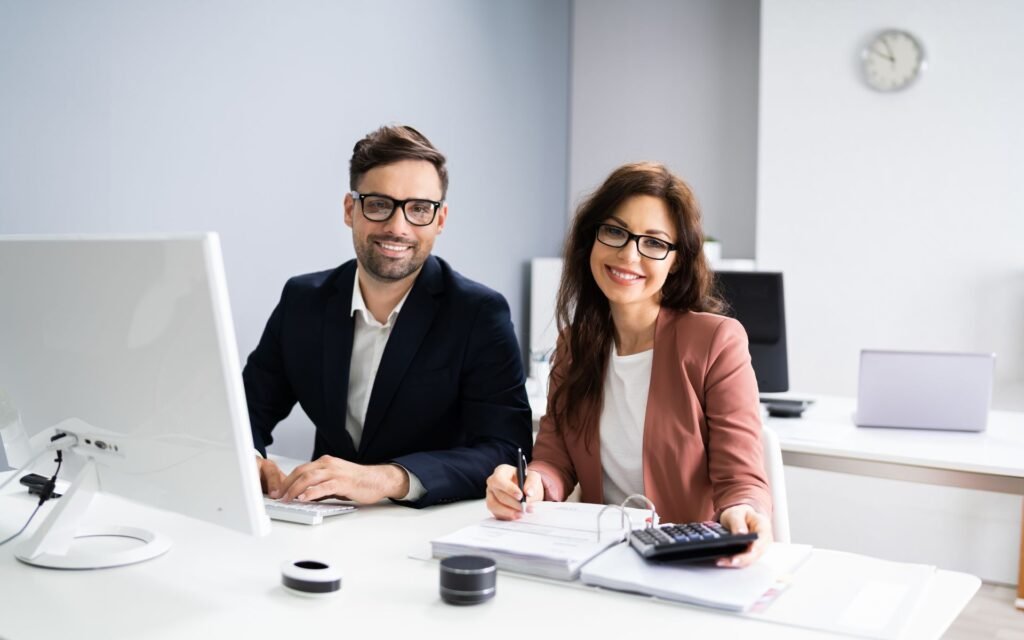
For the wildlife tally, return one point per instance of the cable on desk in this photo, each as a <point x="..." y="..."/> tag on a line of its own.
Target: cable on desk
<point x="24" y="526"/>
<point x="47" y="489"/>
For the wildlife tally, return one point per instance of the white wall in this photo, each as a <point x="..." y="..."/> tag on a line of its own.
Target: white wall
<point x="898" y="220"/>
<point x="673" y="81"/>
<point x="239" y="116"/>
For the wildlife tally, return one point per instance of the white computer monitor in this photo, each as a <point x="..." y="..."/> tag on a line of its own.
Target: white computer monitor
<point x="127" y="344"/>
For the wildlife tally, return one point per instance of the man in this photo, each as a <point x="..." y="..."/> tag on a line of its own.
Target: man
<point x="410" y="372"/>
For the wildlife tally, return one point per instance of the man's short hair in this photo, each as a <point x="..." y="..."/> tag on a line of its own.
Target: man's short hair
<point x="391" y="144"/>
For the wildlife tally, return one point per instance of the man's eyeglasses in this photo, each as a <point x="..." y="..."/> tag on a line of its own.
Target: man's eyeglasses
<point x="648" y="246"/>
<point x="417" y="211"/>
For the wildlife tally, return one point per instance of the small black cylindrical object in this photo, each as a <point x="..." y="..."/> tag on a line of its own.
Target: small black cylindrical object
<point x="467" y="579"/>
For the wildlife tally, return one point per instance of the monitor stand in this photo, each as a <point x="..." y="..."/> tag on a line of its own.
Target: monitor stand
<point x="51" y="545"/>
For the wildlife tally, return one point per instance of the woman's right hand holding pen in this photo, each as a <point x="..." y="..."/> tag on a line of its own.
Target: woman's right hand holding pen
<point x="503" y="495"/>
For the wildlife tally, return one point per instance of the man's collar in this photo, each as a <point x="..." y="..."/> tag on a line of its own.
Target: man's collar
<point x="359" y="304"/>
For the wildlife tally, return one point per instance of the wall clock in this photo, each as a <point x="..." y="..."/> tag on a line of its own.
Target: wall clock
<point x="892" y="60"/>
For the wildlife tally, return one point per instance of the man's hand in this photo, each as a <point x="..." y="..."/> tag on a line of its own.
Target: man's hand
<point x="330" y="477"/>
<point x="742" y="518"/>
<point x="271" y="476"/>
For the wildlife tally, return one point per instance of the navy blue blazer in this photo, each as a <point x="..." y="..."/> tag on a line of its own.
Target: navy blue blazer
<point x="448" y="403"/>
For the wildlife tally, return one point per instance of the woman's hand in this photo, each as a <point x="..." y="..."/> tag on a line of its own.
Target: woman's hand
<point x="503" y="492"/>
<point x="742" y="518"/>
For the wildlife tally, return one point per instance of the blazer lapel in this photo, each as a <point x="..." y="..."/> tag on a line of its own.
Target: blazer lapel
<point x="338" y="329"/>
<point x="663" y="386"/>
<point x="410" y="328"/>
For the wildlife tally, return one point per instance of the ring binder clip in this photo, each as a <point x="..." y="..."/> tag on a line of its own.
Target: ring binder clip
<point x="624" y="521"/>
<point x="654" y="520"/>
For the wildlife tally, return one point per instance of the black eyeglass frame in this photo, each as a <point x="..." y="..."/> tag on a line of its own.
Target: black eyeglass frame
<point x="398" y="204"/>
<point x="635" y="237"/>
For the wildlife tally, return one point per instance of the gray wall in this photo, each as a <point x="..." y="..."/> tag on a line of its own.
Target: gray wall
<point x="240" y="116"/>
<point x="898" y="219"/>
<point x="673" y="81"/>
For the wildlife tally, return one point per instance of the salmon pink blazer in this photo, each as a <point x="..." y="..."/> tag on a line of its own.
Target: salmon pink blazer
<point x="702" y="432"/>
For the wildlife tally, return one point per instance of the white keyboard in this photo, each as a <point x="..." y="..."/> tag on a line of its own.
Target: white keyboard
<point x="304" y="512"/>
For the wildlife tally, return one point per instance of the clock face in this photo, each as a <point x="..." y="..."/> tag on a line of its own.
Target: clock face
<point x="892" y="60"/>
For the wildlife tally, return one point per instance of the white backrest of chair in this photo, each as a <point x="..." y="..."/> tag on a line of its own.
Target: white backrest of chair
<point x="776" y="483"/>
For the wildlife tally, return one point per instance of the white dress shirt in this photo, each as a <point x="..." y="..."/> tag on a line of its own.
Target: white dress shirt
<point x="368" y="341"/>
<point x="626" y="386"/>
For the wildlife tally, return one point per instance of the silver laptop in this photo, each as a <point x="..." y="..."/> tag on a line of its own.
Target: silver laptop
<point x="925" y="390"/>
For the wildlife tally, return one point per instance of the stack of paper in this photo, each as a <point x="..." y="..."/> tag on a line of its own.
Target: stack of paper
<point x="553" y="541"/>
<point x="623" y="569"/>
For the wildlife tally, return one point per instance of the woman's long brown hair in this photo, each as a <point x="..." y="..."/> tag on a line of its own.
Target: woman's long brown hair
<point x="582" y="311"/>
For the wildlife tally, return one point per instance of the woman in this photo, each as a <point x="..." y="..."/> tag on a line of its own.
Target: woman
<point x="651" y="392"/>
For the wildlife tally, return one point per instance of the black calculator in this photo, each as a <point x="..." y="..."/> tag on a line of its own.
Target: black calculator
<point x="689" y="542"/>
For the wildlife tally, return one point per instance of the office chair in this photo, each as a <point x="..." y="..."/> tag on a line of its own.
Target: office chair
<point x="776" y="483"/>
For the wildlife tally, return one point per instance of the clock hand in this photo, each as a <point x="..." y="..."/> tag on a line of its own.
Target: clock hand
<point x="882" y="55"/>
<point x="892" y="56"/>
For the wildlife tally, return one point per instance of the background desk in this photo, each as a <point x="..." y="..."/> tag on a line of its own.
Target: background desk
<point x="827" y="439"/>
<point x="215" y="583"/>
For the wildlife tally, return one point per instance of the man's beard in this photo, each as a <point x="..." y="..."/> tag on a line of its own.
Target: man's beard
<point x="388" y="269"/>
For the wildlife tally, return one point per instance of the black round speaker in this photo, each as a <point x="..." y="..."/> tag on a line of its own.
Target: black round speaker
<point x="467" y="579"/>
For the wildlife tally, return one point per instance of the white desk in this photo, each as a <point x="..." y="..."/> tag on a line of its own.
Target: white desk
<point x="215" y="583"/>
<point x="826" y="438"/>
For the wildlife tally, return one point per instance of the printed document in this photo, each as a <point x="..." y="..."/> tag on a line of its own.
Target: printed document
<point x="553" y="541"/>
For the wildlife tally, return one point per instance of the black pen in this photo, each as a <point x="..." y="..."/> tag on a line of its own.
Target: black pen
<point x="521" y="476"/>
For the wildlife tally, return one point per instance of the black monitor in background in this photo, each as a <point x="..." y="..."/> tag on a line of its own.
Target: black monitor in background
<point x="756" y="300"/>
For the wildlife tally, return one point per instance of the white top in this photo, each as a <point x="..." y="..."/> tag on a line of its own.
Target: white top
<point x="626" y="386"/>
<point x="369" y="338"/>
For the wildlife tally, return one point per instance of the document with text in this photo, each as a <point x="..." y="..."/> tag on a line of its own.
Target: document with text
<point x="553" y="541"/>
